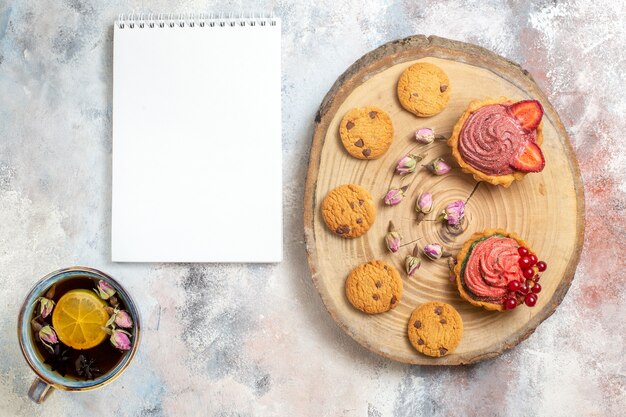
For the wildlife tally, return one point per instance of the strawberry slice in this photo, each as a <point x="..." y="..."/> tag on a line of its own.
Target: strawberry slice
<point x="528" y="113"/>
<point x="530" y="159"/>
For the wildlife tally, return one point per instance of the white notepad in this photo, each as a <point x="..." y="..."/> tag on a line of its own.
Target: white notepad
<point x="197" y="171"/>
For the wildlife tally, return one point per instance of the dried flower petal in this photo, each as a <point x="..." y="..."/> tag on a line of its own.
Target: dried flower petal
<point x="433" y="251"/>
<point x="395" y="195"/>
<point x="392" y="238"/>
<point x="425" y="135"/>
<point x="424" y="203"/>
<point x="454" y="212"/>
<point x="46" y="306"/>
<point x="438" y="166"/>
<point x="105" y="290"/>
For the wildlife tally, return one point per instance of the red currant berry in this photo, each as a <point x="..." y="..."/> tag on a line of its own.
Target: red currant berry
<point x="533" y="259"/>
<point x="536" y="279"/>
<point x="528" y="273"/>
<point x="536" y="288"/>
<point x="524" y="261"/>
<point x="530" y="300"/>
<point x="522" y="251"/>
<point x="524" y="288"/>
<point x="542" y="266"/>
<point x="513" y="286"/>
<point x="510" y="303"/>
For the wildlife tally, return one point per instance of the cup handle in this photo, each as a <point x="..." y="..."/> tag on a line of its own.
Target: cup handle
<point x="39" y="391"/>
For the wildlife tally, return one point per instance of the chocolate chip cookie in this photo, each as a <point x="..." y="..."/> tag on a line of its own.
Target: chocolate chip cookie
<point x="374" y="287"/>
<point x="366" y="132"/>
<point x="435" y="329"/>
<point x="349" y="211"/>
<point x="424" y="89"/>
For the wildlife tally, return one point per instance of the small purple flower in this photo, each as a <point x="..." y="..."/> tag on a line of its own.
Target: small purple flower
<point x="46" y="306"/>
<point x="406" y="165"/>
<point x="425" y="135"/>
<point x="433" y="251"/>
<point x="48" y="337"/>
<point x="424" y="203"/>
<point x="105" y="290"/>
<point x="122" y="319"/>
<point x="120" y="339"/>
<point x="392" y="238"/>
<point x="438" y="166"/>
<point x="454" y="212"/>
<point x="395" y="195"/>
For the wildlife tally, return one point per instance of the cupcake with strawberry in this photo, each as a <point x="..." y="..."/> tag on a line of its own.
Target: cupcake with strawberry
<point x="498" y="141"/>
<point x="498" y="271"/>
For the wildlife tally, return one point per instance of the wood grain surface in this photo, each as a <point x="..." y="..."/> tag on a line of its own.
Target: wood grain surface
<point x="545" y="209"/>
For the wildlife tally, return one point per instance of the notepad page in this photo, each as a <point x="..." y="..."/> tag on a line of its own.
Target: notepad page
<point x="197" y="171"/>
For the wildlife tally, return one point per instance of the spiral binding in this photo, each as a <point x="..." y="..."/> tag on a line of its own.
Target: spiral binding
<point x="172" y="20"/>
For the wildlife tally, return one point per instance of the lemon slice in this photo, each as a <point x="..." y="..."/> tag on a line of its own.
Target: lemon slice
<point x="78" y="319"/>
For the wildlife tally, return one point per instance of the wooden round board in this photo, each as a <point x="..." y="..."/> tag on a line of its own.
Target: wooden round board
<point x="545" y="209"/>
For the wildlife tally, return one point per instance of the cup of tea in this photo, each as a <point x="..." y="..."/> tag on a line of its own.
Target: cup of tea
<point x="78" y="330"/>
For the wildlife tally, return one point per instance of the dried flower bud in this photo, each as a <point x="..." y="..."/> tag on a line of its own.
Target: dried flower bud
<point x="119" y="318"/>
<point x="408" y="164"/>
<point x="392" y="238"/>
<point x="114" y="302"/>
<point x="50" y="293"/>
<point x="105" y="290"/>
<point x="438" y="166"/>
<point x="412" y="263"/>
<point x="424" y="203"/>
<point x="433" y="251"/>
<point x="48" y="337"/>
<point x="451" y="265"/>
<point x="395" y="195"/>
<point x="454" y="212"/>
<point x="36" y="325"/>
<point x="120" y="339"/>
<point x="425" y="135"/>
<point x="122" y="319"/>
<point x="46" y="306"/>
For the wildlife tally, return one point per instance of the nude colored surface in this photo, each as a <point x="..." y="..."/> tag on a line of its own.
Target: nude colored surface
<point x="252" y="340"/>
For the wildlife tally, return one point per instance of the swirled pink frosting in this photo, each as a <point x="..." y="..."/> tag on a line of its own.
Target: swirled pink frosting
<point x="491" y="138"/>
<point x="492" y="264"/>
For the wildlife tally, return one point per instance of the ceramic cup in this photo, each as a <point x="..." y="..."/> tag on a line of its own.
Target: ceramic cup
<point x="47" y="380"/>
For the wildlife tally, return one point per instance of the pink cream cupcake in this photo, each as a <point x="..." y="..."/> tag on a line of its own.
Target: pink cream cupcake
<point x="498" y="140"/>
